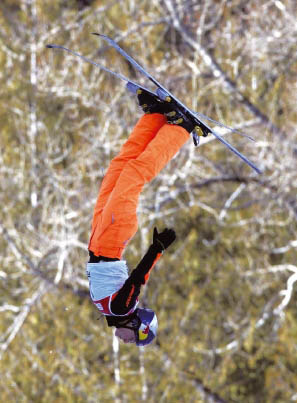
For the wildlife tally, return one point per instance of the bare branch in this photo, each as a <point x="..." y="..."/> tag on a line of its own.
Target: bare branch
<point x="218" y="72"/>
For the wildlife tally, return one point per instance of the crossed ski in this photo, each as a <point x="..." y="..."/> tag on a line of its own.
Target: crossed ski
<point x="163" y="94"/>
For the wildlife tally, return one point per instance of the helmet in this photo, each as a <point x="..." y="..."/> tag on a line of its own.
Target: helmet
<point x="148" y="326"/>
<point x="142" y="321"/>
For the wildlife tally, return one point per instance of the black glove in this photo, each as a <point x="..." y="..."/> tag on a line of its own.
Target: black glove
<point x="163" y="239"/>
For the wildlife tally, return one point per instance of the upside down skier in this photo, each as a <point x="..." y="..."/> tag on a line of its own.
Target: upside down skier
<point x="156" y="138"/>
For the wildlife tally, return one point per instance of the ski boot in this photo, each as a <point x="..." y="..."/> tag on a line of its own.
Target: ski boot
<point x="177" y="117"/>
<point x="152" y="104"/>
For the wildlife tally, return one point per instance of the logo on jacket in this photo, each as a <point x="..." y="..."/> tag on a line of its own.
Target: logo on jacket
<point x="99" y="306"/>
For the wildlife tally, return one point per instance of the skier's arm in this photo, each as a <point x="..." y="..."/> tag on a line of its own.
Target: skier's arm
<point x="126" y="297"/>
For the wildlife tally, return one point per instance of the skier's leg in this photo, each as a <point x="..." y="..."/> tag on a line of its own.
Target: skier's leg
<point x="144" y="131"/>
<point x="119" y="219"/>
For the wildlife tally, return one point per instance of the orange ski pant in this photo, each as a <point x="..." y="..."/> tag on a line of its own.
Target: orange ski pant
<point x="150" y="146"/>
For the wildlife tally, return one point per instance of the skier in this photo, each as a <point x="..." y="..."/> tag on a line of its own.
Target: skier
<point x="156" y="138"/>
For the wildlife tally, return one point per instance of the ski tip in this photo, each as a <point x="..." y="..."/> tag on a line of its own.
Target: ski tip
<point x="95" y="33"/>
<point x="255" y="168"/>
<point x="105" y="37"/>
<point x="259" y="171"/>
<point x="49" y="46"/>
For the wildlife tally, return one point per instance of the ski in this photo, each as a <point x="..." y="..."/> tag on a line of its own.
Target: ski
<point x="202" y="129"/>
<point x="163" y="93"/>
<point x="131" y="86"/>
<point x="117" y="75"/>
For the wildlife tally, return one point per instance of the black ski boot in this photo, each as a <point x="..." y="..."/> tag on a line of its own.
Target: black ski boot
<point x="152" y="104"/>
<point x="176" y="117"/>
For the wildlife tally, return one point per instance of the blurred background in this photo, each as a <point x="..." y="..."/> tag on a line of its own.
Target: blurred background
<point x="225" y="292"/>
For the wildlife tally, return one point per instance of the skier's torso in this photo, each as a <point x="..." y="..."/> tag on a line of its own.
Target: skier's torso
<point x="105" y="280"/>
<point x="104" y="306"/>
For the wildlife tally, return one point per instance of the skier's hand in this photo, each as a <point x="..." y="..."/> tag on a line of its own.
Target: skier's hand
<point x="164" y="238"/>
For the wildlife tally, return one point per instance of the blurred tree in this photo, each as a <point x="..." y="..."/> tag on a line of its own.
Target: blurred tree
<point x="224" y="293"/>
